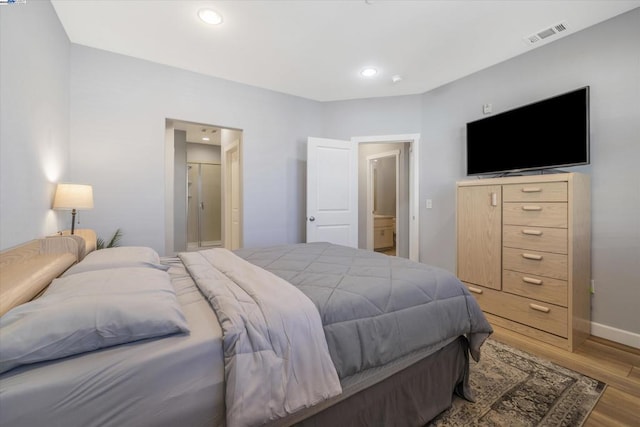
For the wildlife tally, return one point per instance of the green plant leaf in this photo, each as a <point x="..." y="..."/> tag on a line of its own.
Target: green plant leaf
<point x="114" y="242"/>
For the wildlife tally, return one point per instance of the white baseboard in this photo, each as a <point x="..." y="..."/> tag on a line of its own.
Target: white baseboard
<point x="613" y="334"/>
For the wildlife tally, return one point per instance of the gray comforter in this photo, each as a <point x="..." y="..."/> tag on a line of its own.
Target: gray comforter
<point x="275" y="353"/>
<point x="375" y="308"/>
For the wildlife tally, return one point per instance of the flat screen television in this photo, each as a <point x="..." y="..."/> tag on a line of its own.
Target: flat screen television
<point x="551" y="133"/>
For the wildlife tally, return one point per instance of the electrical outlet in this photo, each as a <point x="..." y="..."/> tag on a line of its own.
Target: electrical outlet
<point x="593" y="286"/>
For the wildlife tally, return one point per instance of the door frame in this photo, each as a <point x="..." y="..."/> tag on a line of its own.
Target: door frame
<point x="169" y="185"/>
<point x="414" y="182"/>
<point x="227" y="196"/>
<point x="370" y="196"/>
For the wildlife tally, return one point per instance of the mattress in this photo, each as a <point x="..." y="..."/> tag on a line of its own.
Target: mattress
<point x="375" y="308"/>
<point x="176" y="380"/>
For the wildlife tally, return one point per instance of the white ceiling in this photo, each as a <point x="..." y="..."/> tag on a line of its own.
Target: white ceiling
<point x="196" y="131"/>
<point x="316" y="48"/>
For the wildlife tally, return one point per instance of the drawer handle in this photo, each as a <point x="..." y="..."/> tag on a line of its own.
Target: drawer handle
<point x="531" y="208"/>
<point x="540" y="308"/>
<point x="532" y="281"/>
<point x="532" y="256"/>
<point x="475" y="290"/>
<point x="531" y="189"/>
<point x="532" y="232"/>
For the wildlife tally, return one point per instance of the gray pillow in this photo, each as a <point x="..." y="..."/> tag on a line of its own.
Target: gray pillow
<point x="87" y="311"/>
<point x="120" y="257"/>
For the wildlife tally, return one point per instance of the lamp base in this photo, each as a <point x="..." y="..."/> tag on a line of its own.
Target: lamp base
<point x="73" y="220"/>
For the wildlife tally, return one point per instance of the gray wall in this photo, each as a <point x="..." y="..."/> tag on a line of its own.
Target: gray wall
<point x="375" y="116"/>
<point x="119" y="105"/>
<point x="34" y="121"/>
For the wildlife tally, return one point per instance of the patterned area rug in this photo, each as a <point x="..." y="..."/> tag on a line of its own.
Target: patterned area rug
<point x="514" y="388"/>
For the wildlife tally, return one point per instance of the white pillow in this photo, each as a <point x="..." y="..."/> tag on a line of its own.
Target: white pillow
<point x="88" y="311"/>
<point x="120" y="257"/>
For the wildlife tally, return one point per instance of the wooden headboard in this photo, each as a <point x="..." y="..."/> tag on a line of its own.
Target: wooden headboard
<point x="27" y="269"/>
<point x="86" y="238"/>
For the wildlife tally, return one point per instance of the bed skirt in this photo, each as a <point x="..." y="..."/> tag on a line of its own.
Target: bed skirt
<point x="411" y="397"/>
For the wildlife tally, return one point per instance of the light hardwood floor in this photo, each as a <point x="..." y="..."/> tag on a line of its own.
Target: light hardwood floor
<point x="615" y="364"/>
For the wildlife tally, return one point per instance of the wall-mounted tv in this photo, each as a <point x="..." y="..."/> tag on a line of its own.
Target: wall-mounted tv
<point x="551" y="133"/>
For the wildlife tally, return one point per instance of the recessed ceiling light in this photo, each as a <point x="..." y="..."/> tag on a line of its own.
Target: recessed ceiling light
<point x="210" y="16"/>
<point x="368" y="72"/>
<point x="205" y="138"/>
<point x="396" y="78"/>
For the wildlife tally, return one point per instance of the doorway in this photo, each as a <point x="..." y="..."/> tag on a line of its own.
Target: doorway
<point x="383" y="202"/>
<point x="203" y="186"/>
<point x="408" y="214"/>
<point x="336" y="184"/>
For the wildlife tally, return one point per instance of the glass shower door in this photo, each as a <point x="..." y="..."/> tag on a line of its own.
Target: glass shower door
<point x="204" y="207"/>
<point x="210" y="206"/>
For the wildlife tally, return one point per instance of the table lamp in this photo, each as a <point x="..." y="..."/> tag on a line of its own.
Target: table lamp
<point x="73" y="196"/>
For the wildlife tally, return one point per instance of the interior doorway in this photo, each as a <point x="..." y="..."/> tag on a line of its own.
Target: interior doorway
<point x="203" y="186"/>
<point x="336" y="183"/>
<point x="407" y="219"/>
<point x="383" y="202"/>
<point x="384" y="188"/>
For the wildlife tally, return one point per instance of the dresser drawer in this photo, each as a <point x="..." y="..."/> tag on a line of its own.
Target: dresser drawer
<point x="534" y="262"/>
<point x="540" y="315"/>
<point x="541" y="192"/>
<point x="540" y="288"/>
<point x="536" y="238"/>
<point x="535" y="214"/>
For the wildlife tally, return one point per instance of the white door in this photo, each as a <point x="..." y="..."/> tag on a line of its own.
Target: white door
<point x="232" y="198"/>
<point x="332" y="191"/>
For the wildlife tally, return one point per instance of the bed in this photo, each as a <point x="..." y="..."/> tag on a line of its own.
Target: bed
<point x="378" y="357"/>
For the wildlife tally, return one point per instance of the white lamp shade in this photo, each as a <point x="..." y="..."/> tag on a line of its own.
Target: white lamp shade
<point x="73" y="196"/>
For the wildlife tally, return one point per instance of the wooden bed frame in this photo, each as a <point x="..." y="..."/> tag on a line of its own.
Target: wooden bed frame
<point x="27" y="269"/>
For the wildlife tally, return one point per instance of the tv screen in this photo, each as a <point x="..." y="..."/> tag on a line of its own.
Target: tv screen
<point x="546" y="134"/>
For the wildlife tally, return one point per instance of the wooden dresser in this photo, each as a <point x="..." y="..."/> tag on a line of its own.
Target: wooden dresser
<point x="524" y="251"/>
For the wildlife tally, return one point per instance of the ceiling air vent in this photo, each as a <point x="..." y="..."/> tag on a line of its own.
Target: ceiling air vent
<point x="546" y="32"/>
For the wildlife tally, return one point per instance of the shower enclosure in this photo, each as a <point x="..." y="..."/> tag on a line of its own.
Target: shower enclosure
<point x="204" y="211"/>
